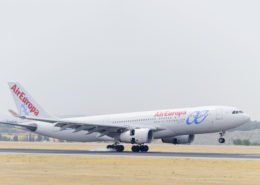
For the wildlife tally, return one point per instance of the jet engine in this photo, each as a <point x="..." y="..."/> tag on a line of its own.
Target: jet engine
<point x="137" y="136"/>
<point x="186" y="139"/>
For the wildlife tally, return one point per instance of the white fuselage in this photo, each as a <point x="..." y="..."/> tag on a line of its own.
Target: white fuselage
<point x="169" y="123"/>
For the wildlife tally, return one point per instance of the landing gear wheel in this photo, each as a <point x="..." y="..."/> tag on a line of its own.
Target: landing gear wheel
<point x="109" y="146"/>
<point x="221" y="140"/>
<point x="144" y="148"/>
<point x="135" y="148"/>
<point x="119" y="148"/>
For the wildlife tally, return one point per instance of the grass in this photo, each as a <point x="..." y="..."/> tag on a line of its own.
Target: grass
<point x="79" y="170"/>
<point x="18" y="169"/>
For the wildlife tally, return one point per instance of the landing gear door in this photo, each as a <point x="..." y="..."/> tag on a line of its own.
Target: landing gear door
<point x="219" y="114"/>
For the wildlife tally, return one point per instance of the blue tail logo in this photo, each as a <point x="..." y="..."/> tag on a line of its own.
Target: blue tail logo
<point x="24" y="110"/>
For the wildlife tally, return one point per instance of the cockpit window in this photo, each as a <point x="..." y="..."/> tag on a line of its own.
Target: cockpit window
<point x="237" y="112"/>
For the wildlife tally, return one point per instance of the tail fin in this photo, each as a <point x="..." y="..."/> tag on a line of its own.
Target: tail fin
<point x="25" y="104"/>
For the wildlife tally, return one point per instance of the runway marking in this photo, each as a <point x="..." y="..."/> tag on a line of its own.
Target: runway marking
<point x="148" y="154"/>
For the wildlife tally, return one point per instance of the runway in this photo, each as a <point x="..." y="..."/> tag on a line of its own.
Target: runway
<point x="148" y="154"/>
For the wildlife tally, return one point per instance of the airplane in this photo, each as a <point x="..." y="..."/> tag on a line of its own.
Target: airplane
<point x="175" y="126"/>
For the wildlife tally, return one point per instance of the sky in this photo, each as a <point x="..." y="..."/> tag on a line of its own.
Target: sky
<point x="99" y="57"/>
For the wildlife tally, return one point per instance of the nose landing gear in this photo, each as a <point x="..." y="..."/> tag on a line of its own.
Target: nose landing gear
<point x="222" y="140"/>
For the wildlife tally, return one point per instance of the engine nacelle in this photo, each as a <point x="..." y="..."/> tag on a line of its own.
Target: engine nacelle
<point x="186" y="139"/>
<point x="137" y="136"/>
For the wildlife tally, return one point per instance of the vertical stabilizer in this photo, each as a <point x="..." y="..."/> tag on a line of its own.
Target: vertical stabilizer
<point x="25" y="104"/>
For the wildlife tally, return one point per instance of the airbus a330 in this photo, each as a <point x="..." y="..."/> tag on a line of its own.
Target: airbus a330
<point x="176" y="126"/>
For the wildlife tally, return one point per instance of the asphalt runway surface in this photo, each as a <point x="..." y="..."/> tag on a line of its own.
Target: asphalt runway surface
<point x="148" y="154"/>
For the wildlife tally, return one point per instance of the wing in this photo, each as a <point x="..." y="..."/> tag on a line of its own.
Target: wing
<point x="103" y="129"/>
<point x="77" y="126"/>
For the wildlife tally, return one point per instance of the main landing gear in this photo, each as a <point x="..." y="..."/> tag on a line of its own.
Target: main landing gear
<point x="118" y="148"/>
<point x="221" y="140"/>
<point x="140" y="148"/>
<point x="135" y="148"/>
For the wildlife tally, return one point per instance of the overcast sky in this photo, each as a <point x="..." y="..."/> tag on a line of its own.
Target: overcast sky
<point x="100" y="57"/>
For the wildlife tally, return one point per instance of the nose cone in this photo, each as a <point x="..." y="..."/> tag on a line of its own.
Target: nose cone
<point x="245" y="118"/>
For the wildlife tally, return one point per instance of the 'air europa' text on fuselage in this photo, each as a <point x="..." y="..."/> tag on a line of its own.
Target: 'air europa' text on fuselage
<point x="168" y="113"/>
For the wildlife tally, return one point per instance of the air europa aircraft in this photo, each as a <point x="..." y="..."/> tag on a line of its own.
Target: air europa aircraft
<point x="176" y="126"/>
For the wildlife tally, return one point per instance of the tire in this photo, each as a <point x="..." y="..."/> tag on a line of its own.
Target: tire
<point x="221" y="140"/>
<point x="142" y="148"/>
<point x="135" y="148"/>
<point x="120" y="148"/>
<point x="145" y="148"/>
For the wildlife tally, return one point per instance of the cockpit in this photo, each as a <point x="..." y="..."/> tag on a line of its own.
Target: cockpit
<point x="237" y="112"/>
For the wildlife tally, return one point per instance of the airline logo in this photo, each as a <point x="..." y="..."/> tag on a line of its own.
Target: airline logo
<point x="197" y="117"/>
<point x="24" y="110"/>
<point x="22" y="96"/>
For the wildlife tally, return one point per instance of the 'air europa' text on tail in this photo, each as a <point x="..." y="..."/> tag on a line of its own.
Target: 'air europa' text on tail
<point x="22" y="96"/>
